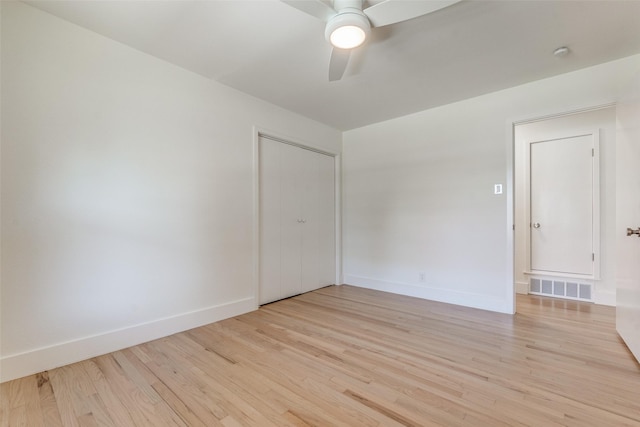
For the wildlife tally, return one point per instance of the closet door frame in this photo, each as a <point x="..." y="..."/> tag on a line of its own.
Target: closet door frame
<point x="257" y="134"/>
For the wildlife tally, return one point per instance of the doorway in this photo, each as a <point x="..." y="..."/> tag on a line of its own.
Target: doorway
<point x="564" y="181"/>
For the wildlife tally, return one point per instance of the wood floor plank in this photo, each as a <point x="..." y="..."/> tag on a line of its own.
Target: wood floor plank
<point x="63" y="390"/>
<point x="347" y="356"/>
<point x="29" y="397"/>
<point x="107" y="394"/>
<point x="139" y="405"/>
<point x="4" y="404"/>
<point x="50" y="412"/>
<point x="188" y="387"/>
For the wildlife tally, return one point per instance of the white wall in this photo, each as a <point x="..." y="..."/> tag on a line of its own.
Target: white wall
<point x="127" y="193"/>
<point x="418" y="190"/>
<point x="605" y="120"/>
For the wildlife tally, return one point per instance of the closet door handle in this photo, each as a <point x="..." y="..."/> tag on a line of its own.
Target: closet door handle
<point x="631" y="231"/>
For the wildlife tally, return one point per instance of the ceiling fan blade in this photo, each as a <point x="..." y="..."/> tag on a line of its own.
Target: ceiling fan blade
<point x="315" y="8"/>
<point x="392" y="11"/>
<point x="338" y="63"/>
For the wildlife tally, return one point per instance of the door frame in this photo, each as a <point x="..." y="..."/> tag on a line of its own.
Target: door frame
<point x="510" y="138"/>
<point x="595" y="205"/>
<point x="286" y="139"/>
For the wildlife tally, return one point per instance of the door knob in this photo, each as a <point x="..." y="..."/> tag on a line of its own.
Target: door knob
<point x="536" y="225"/>
<point x="631" y="232"/>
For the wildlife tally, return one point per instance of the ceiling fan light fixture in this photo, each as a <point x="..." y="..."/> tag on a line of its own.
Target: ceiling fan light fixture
<point x="347" y="37"/>
<point x="348" y="30"/>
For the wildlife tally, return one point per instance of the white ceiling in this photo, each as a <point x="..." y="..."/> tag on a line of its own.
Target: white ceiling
<point x="275" y="52"/>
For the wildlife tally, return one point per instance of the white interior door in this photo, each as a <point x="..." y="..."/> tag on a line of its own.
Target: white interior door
<point x="628" y="215"/>
<point x="561" y="205"/>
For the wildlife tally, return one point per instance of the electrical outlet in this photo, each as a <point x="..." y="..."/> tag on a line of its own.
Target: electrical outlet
<point x="423" y="277"/>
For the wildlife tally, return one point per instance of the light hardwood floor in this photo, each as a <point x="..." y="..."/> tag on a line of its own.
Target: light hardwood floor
<point x="344" y="356"/>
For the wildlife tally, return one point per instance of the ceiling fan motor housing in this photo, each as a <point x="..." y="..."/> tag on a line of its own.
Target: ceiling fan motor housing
<point x="338" y="5"/>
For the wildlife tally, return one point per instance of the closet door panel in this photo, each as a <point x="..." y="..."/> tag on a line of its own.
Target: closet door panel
<point x="310" y="227"/>
<point x="318" y="238"/>
<point x="327" y="222"/>
<point x="290" y="220"/>
<point x="270" y="214"/>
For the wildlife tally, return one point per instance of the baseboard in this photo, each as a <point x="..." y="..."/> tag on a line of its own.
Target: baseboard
<point x="38" y="360"/>
<point x="522" y="287"/>
<point x="604" y="298"/>
<point x="435" y="294"/>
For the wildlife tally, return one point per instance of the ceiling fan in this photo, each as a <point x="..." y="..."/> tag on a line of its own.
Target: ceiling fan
<point x="349" y="25"/>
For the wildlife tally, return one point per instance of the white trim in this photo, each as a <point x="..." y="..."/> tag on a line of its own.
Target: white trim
<point x="291" y="141"/>
<point x="255" y="249"/>
<point x="259" y="132"/>
<point x="558" y="115"/>
<point x="448" y="296"/>
<point x="33" y="361"/>
<point x="521" y="287"/>
<point x="604" y="297"/>
<point x="510" y="191"/>
<point x="559" y="274"/>
<point x="596" y="204"/>
<point x="338" y="218"/>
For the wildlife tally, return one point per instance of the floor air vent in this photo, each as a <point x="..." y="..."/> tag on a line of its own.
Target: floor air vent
<point x="561" y="289"/>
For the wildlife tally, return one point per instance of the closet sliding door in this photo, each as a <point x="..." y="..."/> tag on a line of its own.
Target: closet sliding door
<point x="297" y="220"/>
